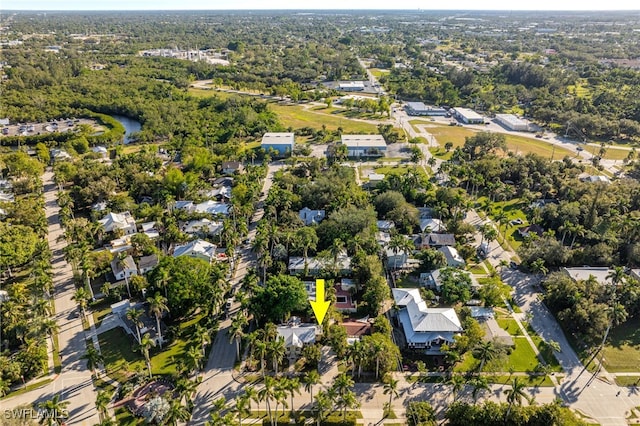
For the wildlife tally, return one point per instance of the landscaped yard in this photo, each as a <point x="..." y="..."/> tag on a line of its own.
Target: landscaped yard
<point x="513" y="209"/>
<point x="622" y="352"/>
<point x="399" y="170"/>
<point x="510" y="325"/>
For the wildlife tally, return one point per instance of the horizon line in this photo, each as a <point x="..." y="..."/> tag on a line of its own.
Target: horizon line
<point x="319" y="10"/>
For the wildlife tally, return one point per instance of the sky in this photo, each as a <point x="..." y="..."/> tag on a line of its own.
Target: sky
<point x="318" y="4"/>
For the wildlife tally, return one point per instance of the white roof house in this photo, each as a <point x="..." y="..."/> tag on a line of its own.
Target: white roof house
<point x="199" y="249"/>
<point x="298" y="335"/>
<point x="452" y="256"/>
<point x="311" y="217"/>
<point x="125" y="268"/>
<point x="433" y="279"/>
<point x="212" y="207"/>
<point x="585" y="272"/>
<point x="432" y="225"/>
<point x="316" y="265"/>
<point x="202" y="227"/>
<point x="123" y="221"/>
<point x="184" y="205"/>
<point x="425" y="327"/>
<point x="149" y="229"/>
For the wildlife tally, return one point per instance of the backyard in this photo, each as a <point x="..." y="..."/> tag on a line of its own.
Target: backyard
<point x="297" y="117"/>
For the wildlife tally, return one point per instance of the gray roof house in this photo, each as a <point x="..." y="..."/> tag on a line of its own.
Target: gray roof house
<point x="425" y="328"/>
<point x="311" y="217"/>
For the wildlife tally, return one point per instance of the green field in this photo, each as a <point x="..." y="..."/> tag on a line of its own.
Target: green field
<point x="377" y="72"/>
<point x="297" y="117"/>
<point x="399" y="170"/>
<point x="622" y="353"/>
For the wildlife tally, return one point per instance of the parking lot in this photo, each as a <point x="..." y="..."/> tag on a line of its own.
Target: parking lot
<point x="61" y="125"/>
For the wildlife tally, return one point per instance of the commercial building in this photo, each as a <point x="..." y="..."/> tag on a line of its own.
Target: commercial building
<point x="419" y="108"/>
<point x="468" y="116"/>
<point x="364" y="145"/>
<point x="512" y="122"/>
<point x="351" y="86"/>
<point x="281" y="142"/>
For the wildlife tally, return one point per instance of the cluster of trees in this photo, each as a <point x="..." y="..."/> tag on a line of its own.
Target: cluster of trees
<point x="26" y="310"/>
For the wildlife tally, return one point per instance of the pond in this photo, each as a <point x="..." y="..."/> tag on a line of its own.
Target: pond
<point x="131" y="126"/>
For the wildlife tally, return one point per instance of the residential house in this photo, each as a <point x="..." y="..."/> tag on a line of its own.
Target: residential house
<point x="212" y="207"/>
<point x="119" y="221"/>
<point x="149" y="229"/>
<point x="453" y="257"/>
<point x="492" y="330"/>
<point x="183" y="205"/>
<point x="344" y="298"/>
<point x="536" y="229"/>
<point x="59" y="155"/>
<point x="357" y="328"/>
<point x="232" y="167"/>
<point x="316" y="266"/>
<point x="433" y="279"/>
<point x="124" y="268"/>
<point x="385" y="225"/>
<point x="296" y="336"/>
<point x="430" y="225"/>
<point x="311" y="217"/>
<point x="147" y="263"/>
<point x="595" y="179"/>
<point x="396" y="259"/>
<point x="601" y="274"/>
<point x="100" y="150"/>
<point x="423" y="327"/>
<point x="202" y="227"/>
<point x="422" y="241"/>
<point x="375" y="179"/>
<point x="199" y="249"/>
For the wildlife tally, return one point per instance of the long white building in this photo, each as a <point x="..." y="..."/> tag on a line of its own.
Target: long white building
<point x="468" y="116"/>
<point x="512" y="122"/>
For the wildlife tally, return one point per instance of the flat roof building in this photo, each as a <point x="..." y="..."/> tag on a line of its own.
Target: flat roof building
<point x="419" y="108"/>
<point x="468" y="116"/>
<point x="351" y="86"/>
<point x="511" y="122"/>
<point x="364" y="145"/>
<point x="281" y="142"/>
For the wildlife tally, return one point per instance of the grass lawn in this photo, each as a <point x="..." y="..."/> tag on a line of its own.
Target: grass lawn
<point x="468" y="363"/>
<point x="522" y="358"/>
<point x="542" y="381"/>
<point x="477" y="269"/>
<point x="517" y="144"/>
<point x="135" y="147"/>
<point x="623" y="349"/>
<point x="124" y="417"/>
<point x="378" y="72"/>
<point x="297" y="117"/>
<point x="99" y="313"/>
<point x="627" y="380"/>
<point x="510" y="325"/>
<point x="29" y="388"/>
<point x="399" y="170"/>
<point x="513" y="209"/>
<point x="119" y="357"/>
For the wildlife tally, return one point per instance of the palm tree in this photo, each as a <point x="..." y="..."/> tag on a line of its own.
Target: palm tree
<point x="396" y="244"/>
<point x="616" y="275"/>
<point x="88" y="270"/>
<point x="516" y="394"/>
<point x="194" y="356"/>
<point x="185" y="388"/>
<point x="162" y="279"/>
<point x="277" y="349"/>
<point x="177" y="413"/>
<point x="485" y="351"/>
<point x="457" y="383"/>
<point x="311" y="379"/>
<point x="237" y="331"/>
<point x="50" y="327"/>
<point x="158" y="306"/>
<point x="322" y="406"/>
<point x="135" y="315"/>
<point x="267" y="393"/>
<point x="391" y="389"/>
<point x="147" y="343"/>
<point x="538" y="267"/>
<point x="479" y="384"/>
<point x="292" y="386"/>
<point x="242" y="407"/>
<point x="203" y="335"/>
<point x="4" y="387"/>
<point x="260" y="348"/>
<point x="82" y="299"/>
<point x="102" y="402"/>
<point x="55" y="407"/>
<point x="94" y="358"/>
<point x="122" y="256"/>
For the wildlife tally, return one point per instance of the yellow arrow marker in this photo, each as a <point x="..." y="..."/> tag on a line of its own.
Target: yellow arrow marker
<point x="320" y="306"/>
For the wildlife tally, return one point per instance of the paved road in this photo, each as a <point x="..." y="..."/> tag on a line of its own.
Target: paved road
<point x="74" y="383"/>
<point x="217" y="378"/>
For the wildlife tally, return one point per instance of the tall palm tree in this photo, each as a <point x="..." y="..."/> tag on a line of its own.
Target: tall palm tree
<point x="102" y="403"/>
<point x="479" y="384"/>
<point x="267" y="393"/>
<point x="50" y="327"/>
<point x="82" y="299"/>
<point x="93" y="357"/>
<point x="485" y="351"/>
<point x="89" y="271"/>
<point x="162" y="279"/>
<point x="252" y="395"/>
<point x="55" y="407"/>
<point x="322" y="406"/>
<point x="277" y="350"/>
<point x="236" y="332"/>
<point x="616" y="275"/>
<point x="516" y="394"/>
<point x="292" y="386"/>
<point x="457" y="383"/>
<point x="391" y="388"/>
<point x="311" y="379"/>
<point x="135" y="316"/>
<point x="194" y="356"/>
<point x="147" y="343"/>
<point x="203" y="336"/>
<point x="242" y="407"/>
<point x="185" y="388"/>
<point x="260" y="347"/>
<point x="158" y="306"/>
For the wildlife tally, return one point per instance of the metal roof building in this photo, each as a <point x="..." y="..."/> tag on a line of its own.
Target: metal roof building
<point x="512" y="122"/>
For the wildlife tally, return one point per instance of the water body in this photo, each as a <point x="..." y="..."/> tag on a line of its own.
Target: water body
<point x="131" y="126"/>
